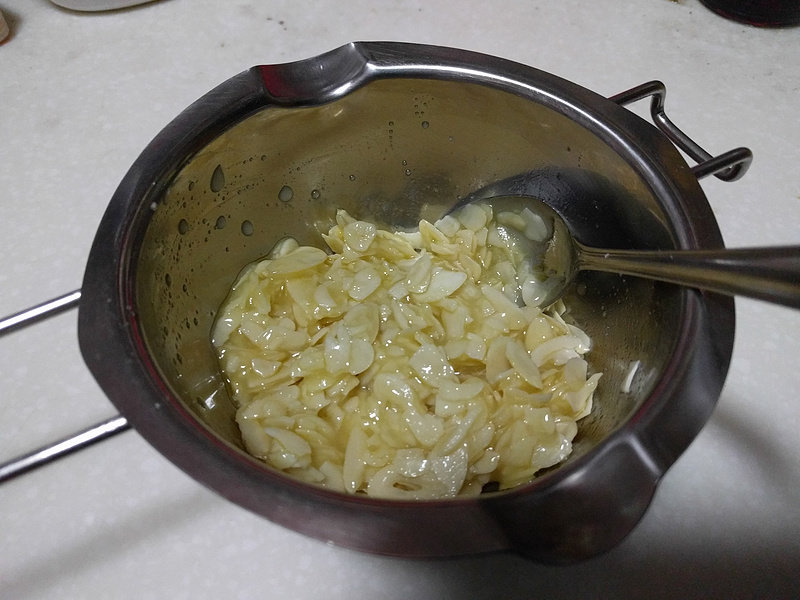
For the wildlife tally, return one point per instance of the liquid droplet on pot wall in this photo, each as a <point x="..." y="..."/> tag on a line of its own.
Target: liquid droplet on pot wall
<point x="286" y="194"/>
<point x="217" y="179"/>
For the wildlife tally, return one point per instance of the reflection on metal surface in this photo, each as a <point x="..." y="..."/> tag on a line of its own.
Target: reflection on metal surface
<point x="729" y="166"/>
<point x="32" y="315"/>
<point x="49" y="453"/>
<point x="98" y="5"/>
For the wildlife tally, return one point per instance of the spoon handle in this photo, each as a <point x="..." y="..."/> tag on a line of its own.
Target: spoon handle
<point x="770" y="274"/>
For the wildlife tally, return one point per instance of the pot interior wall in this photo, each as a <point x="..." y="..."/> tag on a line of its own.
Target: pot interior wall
<point x="394" y="151"/>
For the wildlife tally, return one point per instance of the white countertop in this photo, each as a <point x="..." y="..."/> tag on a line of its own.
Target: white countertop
<point x="82" y="94"/>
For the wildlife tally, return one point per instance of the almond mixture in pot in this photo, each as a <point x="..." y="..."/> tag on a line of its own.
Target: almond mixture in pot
<point x="409" y="365"/>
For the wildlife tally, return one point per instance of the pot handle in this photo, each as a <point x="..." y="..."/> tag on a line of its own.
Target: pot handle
<point x="728" y="166"/>
<point x="82" y="439"/>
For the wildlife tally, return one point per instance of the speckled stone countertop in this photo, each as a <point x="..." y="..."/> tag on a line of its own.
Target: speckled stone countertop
<point x="81" y="94"/>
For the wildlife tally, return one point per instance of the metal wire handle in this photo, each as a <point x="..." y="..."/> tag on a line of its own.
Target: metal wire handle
<point x="728" y="166"/>
<point x="50" y="452"/>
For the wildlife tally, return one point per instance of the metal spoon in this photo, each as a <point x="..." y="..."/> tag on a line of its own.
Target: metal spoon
<point x="767" y="273"/>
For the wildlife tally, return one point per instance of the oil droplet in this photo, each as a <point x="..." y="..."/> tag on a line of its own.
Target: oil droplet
<point x="405" y="162"/>
<point x="263" y="157"/>
<point x="352" y="177"/>
<point x="217" y="179"/>
<point x="408" y="171"/>
<point x="286" y="194"/>
<point x="315" y="194"/>
<point x="247" y="228"/>
<point x="183" y="226"/>
<point x="221" y="222"/>
<point x="425" y="124"/>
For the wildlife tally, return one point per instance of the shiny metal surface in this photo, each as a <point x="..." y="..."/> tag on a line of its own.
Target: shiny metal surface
<point x="768" y="274"/>
<point x="50" y="452"/>
<point x="728" y="166"/>
<point x="46" y="454"/>
<point x="44" y="310"/>
<point x="395" y="132"/>
<point x="98" y="5"/>
<point x="771" y="274"/>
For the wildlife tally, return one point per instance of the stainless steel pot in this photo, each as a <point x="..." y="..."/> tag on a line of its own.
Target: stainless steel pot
<point x="394" y="132"/>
